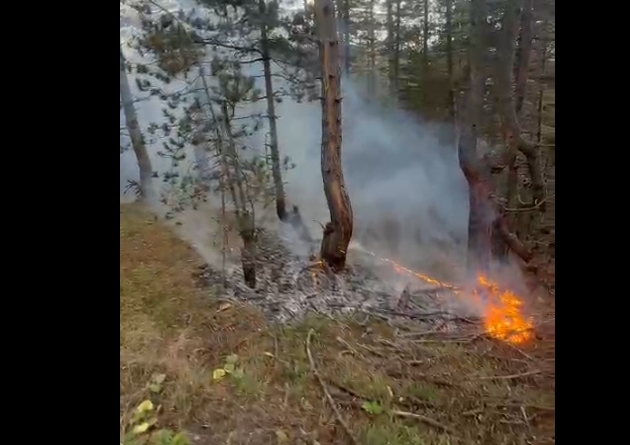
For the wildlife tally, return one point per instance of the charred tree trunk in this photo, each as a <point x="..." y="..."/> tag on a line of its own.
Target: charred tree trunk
<point x="137" y="141"/>
<point x="338" y="231"/>
<point x="248" y="252"/>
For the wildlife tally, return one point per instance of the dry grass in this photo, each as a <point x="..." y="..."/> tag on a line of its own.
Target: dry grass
<point x="169" y="326"/>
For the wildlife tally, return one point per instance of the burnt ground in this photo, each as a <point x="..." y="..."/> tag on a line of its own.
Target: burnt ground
<point x="391" y="383"/>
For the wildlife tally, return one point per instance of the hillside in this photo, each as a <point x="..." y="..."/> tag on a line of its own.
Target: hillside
<point x="217" y="372"/>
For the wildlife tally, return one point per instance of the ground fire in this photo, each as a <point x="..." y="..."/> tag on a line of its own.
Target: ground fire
<point x="502" y="315"/>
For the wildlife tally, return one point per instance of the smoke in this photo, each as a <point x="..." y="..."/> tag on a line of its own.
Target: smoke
<point x="408" y="194"/>
<point x="402" y="174"/>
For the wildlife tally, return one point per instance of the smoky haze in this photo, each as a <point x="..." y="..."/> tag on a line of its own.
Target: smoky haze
<point x="408" y="193"/>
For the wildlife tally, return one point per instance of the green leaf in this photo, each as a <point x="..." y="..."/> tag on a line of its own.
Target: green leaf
<point x="238" y="373"/>
<point x="372" y="407"/>
<point x="180" y="439"/>
<point x="154" y="387"/>
<point x="231" y="359"/>
<point x="229" y="368"/>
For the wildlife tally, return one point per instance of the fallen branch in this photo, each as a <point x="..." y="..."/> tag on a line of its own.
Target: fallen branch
<point x="424" y="419"/>
<point x="509" y="377"/>
<point x="331" y="401"/>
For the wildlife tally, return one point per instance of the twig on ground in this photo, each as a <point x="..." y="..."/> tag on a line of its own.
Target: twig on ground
<point x="331" y="401"/>
<point x="349" y="347"/>
<point x="372" y="350"/>
<point x="527" y="422"/>
<point x="509" y="377"/>
<point x="422" y="333"/>
<point x="350" y="391"/>
<point x="424" y="419"/>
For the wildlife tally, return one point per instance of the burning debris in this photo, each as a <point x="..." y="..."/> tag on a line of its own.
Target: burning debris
<point x="291" y="285"/>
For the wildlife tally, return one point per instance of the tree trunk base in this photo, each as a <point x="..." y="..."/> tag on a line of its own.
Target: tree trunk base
<point x="332" y="250"/>
<point x="248" y="258"/>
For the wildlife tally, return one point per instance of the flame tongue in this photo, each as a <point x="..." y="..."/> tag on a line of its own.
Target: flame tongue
<point x="502" y="315"/>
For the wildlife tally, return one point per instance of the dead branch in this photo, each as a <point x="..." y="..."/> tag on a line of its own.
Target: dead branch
<point x="331" y="401"/>
<point x="510" y="377"/>
<point x="424" y="419"/>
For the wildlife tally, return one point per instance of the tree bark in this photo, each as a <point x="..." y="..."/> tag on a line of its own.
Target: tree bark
<point x="137" y="141"/>
<point x="245" y="217"/>
<point x="509" y="120"/>
<point x="397" y="39"/>
<point x="480" y="215"/>
<point x="523" y="56"/>
<point x="449" y="57"/>
<point x="345" y="16"/>
<point x="338" y="231"/>
<point x="425" y="37"/>
<point x="390" y="46"/>
<point x="276" y="170"/>
<point x="523" y="53"/>
<point x="371" y="52"/>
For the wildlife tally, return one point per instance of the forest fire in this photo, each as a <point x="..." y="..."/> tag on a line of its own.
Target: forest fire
<point x="502" y="314"/>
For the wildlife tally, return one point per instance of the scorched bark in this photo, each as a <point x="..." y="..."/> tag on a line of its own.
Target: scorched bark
<point x="338" y="232"/>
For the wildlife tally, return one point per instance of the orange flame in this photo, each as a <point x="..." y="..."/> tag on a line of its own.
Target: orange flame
<point x="503" y="319"/>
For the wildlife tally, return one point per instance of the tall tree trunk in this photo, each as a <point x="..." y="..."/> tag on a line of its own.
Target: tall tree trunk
<point x="276" y="170"/>
<point x="232" y="179"/>
<point x="397" y="39"/>
<point x="523" y="56"/>
<point x="449" y="57"/>
<point x="345" y="19"/>
<point x="509" y="120"/>
<point x="244" y="216"/>
<point x="390" y="46"/>
<point x="137" y="141"/>
<point x="480" y="219"/>
<point x="425" y="37"/>
<point x="371" y="52"/>
<point x="338" y="231"/>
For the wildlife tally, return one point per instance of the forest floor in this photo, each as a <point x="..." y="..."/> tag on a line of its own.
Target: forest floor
<point x="217" y="372"/>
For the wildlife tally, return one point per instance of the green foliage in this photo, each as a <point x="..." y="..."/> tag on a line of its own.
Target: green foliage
<point x="228" y="369"/>
<point x="372" y="407"/>
<point x="141" y="427"/>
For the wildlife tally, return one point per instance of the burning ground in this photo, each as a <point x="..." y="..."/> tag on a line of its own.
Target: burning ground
<point x="229" y="372"/>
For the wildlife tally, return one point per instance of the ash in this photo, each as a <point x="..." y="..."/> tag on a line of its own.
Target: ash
<point x="290" y="284"/>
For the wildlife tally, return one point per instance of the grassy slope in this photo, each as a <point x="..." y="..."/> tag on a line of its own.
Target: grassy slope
<point x="170" y="326"/>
